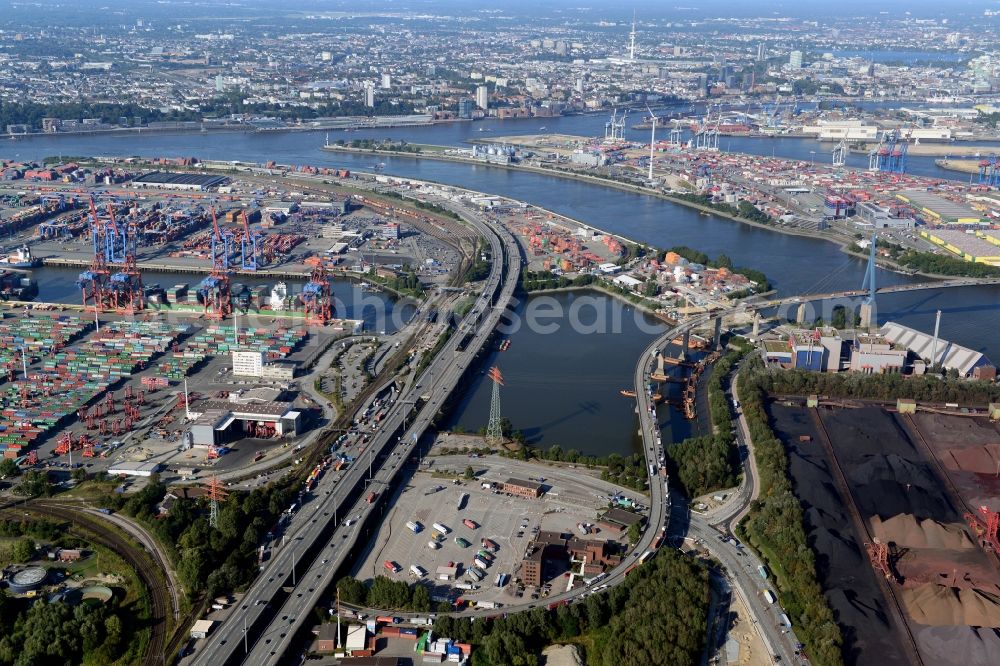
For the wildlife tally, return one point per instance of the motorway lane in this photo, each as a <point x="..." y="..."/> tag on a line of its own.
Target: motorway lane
<point x="751" y="589"/>
<point x="438" y="380"/>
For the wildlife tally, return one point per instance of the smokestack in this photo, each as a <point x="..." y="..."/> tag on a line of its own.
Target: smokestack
<point x="937" y="329"/>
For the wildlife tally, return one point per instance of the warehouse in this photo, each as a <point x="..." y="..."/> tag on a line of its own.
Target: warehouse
<point x="143" y="469"/>
<point x="528" y="489"/>
<point x="975" y="248"/>
<point x="214" y="425"/>
<point x="202" y="628"/>
<point x="192" y="182"/>
<point x="938" y="210"/>
<point x="967" y="362"/>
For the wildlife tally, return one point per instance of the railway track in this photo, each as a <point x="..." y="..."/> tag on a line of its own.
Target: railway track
<point x="144" y="565"/>
<point x="861" y="528"/>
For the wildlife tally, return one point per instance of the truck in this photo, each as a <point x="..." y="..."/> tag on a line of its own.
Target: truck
<point x="762" y="571"/>
<point x="462" y="542"/>
<point x="466" y="586"/>
<point x="489" y="543"/>
<point x="418" y="570"/>
<point x="387" y="619"/>
<point x="785" y="622"/>
<point x="461" y="500"/>
<point x="475" y="574"/>
<point x="443" y="529"/>
<point x="471" y="524"/>
<point x="391" y="566"/>
<point x="486" y="604"/>
<point x="769" y="595"/>
<point x="433" y="545"/>
<point x="501" y="580"/>
<point x="415" y="526"/>
<point x="372" y="497"/>
<point x="482" y="564"/>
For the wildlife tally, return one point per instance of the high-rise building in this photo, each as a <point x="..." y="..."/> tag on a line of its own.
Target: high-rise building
<point x="760" y="52"/>
<point x="369" y="94"/>
<point x="482" y="97"/>
<point x="386" y="81"/>
<point x="795" y="59"/>
<point x="579" y="84"/>
<point x="465" y="108"/>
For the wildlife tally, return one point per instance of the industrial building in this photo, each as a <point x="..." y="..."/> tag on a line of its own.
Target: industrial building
<point x="549" y="554"/>
<point x="980" y="248"/>
<point x="938" y="210"/>
<point x="214" y="426"/>
<point x="141" y="469"/>
<point x="202" y="628"/>
<point x="521" y="488"/>
<point x="873" y="354"/>
<point x="191" y="182"/>
<point x="870" y="215"/>
<point x="967" y="362"/>
<point x="252" y="364"/>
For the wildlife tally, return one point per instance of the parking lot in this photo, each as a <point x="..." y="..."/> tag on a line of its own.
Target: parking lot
<point x="510" y="522"/>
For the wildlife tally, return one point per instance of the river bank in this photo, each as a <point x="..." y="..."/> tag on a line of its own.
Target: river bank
<point x="845" y="243"/>
<point x="959" y="166"/>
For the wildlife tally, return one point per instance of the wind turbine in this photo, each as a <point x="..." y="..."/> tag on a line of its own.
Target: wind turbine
<point x="652" y="141"/>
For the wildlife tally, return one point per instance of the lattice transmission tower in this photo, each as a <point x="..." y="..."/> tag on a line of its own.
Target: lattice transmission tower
<point x="494" y="431"/>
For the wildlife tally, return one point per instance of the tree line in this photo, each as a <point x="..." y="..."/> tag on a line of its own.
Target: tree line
<point x="890" y="386"/>
<point x="385" y="594"/>
<point x="658" y="615"/>
<point x="776" y="529"/>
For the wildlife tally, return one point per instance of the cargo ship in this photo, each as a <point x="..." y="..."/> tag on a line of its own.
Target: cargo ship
<point x="19" y="258"/>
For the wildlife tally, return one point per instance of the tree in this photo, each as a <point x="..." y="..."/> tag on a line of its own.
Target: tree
<point x="24" y="549"/>
<point x="634" y="533"/>
<point x="8" y="468"/>
<point x="79" y="474"/>
<point x="470" y="473"/>
<point x="352" y="591"/>
<point x="420" y="601"/>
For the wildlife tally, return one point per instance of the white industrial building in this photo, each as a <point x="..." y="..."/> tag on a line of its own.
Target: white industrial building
<point x="143" y="469"/>
<point x="248" y="363"/>
<point x="968" y="362"/>
<point x="214" y="425"/>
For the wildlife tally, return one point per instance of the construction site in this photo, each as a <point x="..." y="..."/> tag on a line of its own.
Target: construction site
<point x="916" y="578"/>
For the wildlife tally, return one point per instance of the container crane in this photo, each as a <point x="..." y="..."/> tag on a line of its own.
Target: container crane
<point x="215" y="289"/>
<point x="127" y="295"/>
<point x="248" y="246"/>
<point x="93" y="283"/>
<point x="317" y="298"/>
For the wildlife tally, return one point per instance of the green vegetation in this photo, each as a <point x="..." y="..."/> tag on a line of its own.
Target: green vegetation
<point x="811" y="87"/>
<point x="385" y="594"/>
<point x="878" y="387"/>
<point x="626" y="471"/>
<point x="387" y="145"/>
<point x="423" y="205"/>
<point x="933" y="263"/>
<point x="614" y="628"/>
<point x="542" y="280"/>
<point x="745" y="210"/>
<point x="209" y="560"/>
<point x="405" y="283"/>
<point x="776" y="530"/>
<point x="699" y="465"/>
<point x="939" y="264"/>
<point x="8" y="468"/>
<point x="722" y="261"/>
<point x="58" y="633"/>
<point x="34" y="484"/>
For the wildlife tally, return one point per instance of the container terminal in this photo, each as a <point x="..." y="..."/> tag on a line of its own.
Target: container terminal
<point x="159" y="374"/>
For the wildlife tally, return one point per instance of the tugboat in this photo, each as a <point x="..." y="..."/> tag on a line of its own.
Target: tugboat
<point x="19" y="258"/>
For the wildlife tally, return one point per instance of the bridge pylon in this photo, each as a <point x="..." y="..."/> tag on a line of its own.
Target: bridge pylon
<point x="494" y="429"/>
<point x="869" y="313"/>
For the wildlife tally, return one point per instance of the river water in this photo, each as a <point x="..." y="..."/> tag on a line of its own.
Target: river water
<point x="564" y="388"/>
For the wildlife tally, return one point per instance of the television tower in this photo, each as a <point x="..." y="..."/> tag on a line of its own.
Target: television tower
<point x="494" y="433"/>
<point x="631" y="48"/>
<point x="652" y="142"/>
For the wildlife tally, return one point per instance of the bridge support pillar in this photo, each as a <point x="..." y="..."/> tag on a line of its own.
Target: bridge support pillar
<point x="756" y="326"/>
<point x="869" y="319"/>
<point x="717" y="338"/>
<point x="801" y="314"/>
<point x="685" y="341"/>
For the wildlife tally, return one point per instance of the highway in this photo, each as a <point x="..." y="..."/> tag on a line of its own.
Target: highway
<point x="741" y="566"/>
<point x="294" y="580"/>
